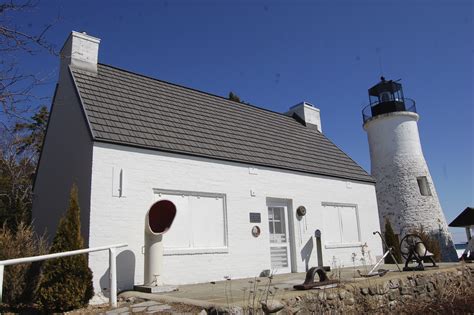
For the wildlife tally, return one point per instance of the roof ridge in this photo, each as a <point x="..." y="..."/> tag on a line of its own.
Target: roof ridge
<point x="139" y="110"/>
<point x="196" y="90"/>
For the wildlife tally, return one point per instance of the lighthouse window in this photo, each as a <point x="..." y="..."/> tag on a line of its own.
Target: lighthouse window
<point x="424" y="186"/>
<point x="386" y="96"/>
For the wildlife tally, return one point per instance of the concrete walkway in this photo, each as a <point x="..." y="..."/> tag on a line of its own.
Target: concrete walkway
<point x="242" y="292"/>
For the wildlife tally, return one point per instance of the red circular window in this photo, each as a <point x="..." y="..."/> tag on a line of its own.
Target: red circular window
<point x="161" y="215"/>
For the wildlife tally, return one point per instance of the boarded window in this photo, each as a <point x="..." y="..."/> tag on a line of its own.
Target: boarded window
<point x="118" y="183"/>
<point x="349" y="224"/>
<point x="341" y="224"/>
<point x="423" y="186"/>
<point x="332" y="225"/>
<point x="199" y="222"/>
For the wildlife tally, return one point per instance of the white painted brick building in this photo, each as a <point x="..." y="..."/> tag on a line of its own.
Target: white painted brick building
<point x="129" y="141"/>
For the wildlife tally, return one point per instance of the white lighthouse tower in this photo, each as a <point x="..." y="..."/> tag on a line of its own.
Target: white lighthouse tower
<point x="406" y="193"/>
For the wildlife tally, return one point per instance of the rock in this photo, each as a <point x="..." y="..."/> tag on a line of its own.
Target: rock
<point x="420" y="281"/>
<point x="364" y="291"/>
<point x="382" y="288"/>
<point x="373" y="290"/>
<point x="407" y="298"/>
<point x="392" y="305"/>
<point x="292" y="301"/>
<point x="235" y="310"/>
<point x="405" y="291"/>
<point x="117" y="311"/>
<point x="270" y="307"/>
<point x="342" y="295"/>
<point x="380" y="300"/>
<point x="394" y="284"/>
<point x="138" y="309"/>
<point x="331" y="296"/>
<point x="158" y="308"/>
<point x="392" y="295"/>
<point x="350" y="301"/>
<point x="419" y="289"/>
<point x="146" y="304"/>
<point x="203" y="312"/>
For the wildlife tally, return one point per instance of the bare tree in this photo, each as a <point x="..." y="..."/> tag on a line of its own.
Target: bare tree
<point x="16" y="172"/>
<point x="16" y="85"/>
<point x="22" y="124"/>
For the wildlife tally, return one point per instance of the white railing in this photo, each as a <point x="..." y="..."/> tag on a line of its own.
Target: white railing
<point x="112" y="265"/>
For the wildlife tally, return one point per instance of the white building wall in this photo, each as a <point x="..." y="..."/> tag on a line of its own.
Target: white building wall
<point x="66" y="158"/>
<point x="121" y="219"/>
<point x="396" y="161"/>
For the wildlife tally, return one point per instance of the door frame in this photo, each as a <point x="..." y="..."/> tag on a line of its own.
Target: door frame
<point x="290" y="216"/>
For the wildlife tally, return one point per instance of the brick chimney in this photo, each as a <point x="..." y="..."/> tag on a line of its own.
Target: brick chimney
<point x="307" y="114"/>
<point x="79" y="51"/>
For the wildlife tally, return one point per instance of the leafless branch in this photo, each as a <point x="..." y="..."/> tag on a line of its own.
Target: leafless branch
<point x="16" y="85"/>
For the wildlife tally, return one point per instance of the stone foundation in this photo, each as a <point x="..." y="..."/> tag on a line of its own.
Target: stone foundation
<point x="386" y="295"/>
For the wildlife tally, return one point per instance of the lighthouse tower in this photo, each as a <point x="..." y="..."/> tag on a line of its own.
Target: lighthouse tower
<point x="406" y="193"/>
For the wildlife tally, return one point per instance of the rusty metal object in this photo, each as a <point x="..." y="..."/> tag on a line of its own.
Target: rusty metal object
<point x="380" y="273"/>
<point x="412" y="248"/>
<point x="309" y="280"/>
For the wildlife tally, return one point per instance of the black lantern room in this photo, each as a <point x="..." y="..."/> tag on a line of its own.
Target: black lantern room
<point x="386" y="97"/>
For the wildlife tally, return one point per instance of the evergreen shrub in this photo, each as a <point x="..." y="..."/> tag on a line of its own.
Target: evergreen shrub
<point x="66" y="282"/>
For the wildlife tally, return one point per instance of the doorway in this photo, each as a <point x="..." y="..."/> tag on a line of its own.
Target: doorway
<point x="280" y="240"/>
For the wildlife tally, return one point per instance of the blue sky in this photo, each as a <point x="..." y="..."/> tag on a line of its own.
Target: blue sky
<point x="275" y="54"/>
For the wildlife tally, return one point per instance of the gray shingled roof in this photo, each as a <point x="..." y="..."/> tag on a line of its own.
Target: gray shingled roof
<point x="131" y="109"/>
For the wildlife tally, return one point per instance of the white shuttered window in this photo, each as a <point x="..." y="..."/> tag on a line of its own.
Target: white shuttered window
<point x="200" y="221"/>
<point x="341" y="224"/>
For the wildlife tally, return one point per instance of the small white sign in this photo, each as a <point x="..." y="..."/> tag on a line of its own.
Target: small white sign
<point x="253" y="171"/>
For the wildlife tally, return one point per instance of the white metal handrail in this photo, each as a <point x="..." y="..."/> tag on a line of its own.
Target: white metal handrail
<point x="112" y="265"/>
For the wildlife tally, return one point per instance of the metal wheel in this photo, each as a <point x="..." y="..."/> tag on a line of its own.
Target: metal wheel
<point x="408" y="244"/>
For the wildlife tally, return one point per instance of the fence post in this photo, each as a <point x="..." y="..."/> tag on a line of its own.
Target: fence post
<point x="1" y="282"/>
<point x="113" y="276"/>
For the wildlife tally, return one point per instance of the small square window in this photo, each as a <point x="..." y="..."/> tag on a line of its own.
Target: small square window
<point x="424" y="186"/>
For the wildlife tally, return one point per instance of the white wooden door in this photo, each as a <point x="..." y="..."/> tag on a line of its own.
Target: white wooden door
<point x="279" y="239"/>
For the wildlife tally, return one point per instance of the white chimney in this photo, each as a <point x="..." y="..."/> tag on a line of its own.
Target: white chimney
<point x="79" y="51"/>
<point x="307" y="114"/>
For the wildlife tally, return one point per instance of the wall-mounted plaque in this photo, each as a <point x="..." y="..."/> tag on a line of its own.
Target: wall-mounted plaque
<point x="301" y="211"/>
<point x="255" y="217"/>
<point x="256" y="231"/>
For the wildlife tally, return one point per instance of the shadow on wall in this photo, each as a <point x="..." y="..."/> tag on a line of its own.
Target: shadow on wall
<point x="448" y="252"/>
<point x="306" y="252"/>
<point x="125" y="273"/>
